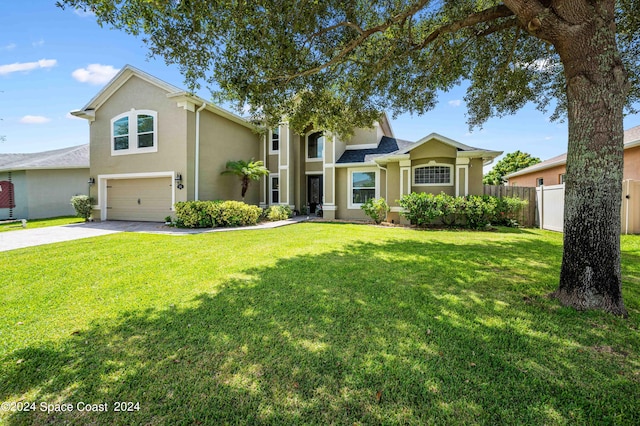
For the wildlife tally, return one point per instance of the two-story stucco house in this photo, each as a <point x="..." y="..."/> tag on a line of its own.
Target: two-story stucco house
<point x="153" y="144"/>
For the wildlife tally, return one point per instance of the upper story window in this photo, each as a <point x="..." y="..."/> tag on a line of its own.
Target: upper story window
<point x="434" y="175"/>
<point x="134" y="132"/>
<point x="275" y="139"/>
<point x="315" y="146"/>
<point x="539" y="182"/>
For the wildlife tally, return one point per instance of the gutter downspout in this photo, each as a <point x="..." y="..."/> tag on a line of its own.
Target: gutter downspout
<point x="197" y="159"/>
<point x="626" y="198"/>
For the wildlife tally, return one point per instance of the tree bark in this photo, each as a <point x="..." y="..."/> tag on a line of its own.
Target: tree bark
<point x="590" y="277"/>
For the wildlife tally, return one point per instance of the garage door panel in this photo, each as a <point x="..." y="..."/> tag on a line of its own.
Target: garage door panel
<point x="147" y="199"/>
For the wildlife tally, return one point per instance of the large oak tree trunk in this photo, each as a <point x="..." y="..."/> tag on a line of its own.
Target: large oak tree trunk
<point x="596" y="91"/>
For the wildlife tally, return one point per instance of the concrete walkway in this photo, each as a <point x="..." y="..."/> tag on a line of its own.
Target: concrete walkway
<point x="21" y="238"/>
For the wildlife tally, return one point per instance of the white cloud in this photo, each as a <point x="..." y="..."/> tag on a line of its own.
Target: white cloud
<point x="34" y="119"/>
<point x="548" y="138"/>
<point x="455" y="103"/>
<point x="27" y="66"/>
<point x="9" y="46"/>
<point x="38" y="43"/>
<point x="95" y="74"/>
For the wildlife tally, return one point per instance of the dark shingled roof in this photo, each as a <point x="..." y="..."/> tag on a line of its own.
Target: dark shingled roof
<point x="386" y="146"/>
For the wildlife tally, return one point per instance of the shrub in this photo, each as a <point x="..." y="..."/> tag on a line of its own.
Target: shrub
<point x="274" y="213"/>
<point x="478" y="210"/>
<point x="210" y="214"/>
<point x="376" y="209"/>
<point x="82" y="205"/>
<point x="506" y="211"/>
<point x="419" y="208"/>
<point x="447" y="208"/>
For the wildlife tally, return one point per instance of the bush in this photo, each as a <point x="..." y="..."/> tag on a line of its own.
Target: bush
<point x="210" y="214"/>
<point x="82" y="205"/>
<point x="478" y="210"/>
<point x="376" y="209"/>
<point x="420" y="208"/>
<point x="447" y="208"/>
<point x="507" y="210"/>
<point x="274" y="213"/>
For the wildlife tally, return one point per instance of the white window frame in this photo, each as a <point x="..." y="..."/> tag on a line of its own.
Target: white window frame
<point x="432" y="164"/>
<point x="561" y="178"/>
<point x="271" y="150"/>
<point x="306" y="146"/>
<point x="271" y="176"/>
<point x="539" y="182"/>
<point x="350" y="172"/>
<point x="132" y="116"/>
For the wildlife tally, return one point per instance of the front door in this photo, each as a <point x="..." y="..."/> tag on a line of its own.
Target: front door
<point x="314" y="192"/>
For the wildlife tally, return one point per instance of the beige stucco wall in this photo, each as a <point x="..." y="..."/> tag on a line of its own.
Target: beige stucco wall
<point x="433" y="149"/>
<point x="365" y="136"/>
<point x="476" y="187"/>
<point x="172" y="132"/>
<point x="222" y="140"/>
<point x="49" y="192"/>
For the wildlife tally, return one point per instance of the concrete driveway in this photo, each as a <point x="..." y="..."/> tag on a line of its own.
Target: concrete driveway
<point x="21" y="238"/>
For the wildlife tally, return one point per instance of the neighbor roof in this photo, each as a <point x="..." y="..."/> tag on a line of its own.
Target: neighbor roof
<point x="75" y="157"/>
<point x="631" y="139"/>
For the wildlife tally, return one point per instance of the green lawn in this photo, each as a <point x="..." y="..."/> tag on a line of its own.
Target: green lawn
<point x="315" y="323"/>
<point x="40" y="223"/>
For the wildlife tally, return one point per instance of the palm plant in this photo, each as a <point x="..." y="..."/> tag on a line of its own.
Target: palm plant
<point x="246" y="171"/>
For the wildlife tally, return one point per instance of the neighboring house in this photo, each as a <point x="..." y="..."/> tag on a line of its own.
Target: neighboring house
<point x="552" y="171"/>
<point x="153" y="144"/>
<point x="40" y="185"/>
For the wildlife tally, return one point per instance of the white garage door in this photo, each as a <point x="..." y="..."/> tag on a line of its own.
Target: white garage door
<point x="145" y="199"/>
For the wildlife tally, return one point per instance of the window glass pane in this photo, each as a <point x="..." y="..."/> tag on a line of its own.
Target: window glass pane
<point x="315" y="147"/>
<point x="275" y="190"/>
<point x="275" y="139"/>
<point x="362" y="195"/>
<point x="121" y="126"/>
<point x="145" y="140"/>
<point x="145" y="123"/>
<point x="364" y="180"/>
<point x="120" y="142"/>
<point x="432" y="175"/>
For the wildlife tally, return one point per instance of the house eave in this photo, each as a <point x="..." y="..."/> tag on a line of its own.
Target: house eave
<point x="182" y="98"/>
<point x="87" y="114"/>
<point x="363" y="164"/>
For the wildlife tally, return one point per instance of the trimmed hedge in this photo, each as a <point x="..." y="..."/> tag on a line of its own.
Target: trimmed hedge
<point x="211" y="214"/>
<point x="376" y="209"/>
<point x="474" y="211"/>
<point x="82" y="205"/>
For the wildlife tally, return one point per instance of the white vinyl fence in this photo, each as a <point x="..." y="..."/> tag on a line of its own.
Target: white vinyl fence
<point x="550" y="207"/>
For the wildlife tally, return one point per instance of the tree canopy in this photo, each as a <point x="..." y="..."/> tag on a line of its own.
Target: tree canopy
<point x="335" y="64"/>
<point x="512" y="162"/>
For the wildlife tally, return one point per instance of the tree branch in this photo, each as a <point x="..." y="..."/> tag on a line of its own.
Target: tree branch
<point x="487" y="15"/>
<point x="365" y="34"/>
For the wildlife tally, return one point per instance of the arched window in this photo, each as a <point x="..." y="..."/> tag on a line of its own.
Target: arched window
<point x="134" y="132"/>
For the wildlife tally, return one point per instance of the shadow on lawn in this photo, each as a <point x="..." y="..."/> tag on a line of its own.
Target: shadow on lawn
<point x="448" y="333"/>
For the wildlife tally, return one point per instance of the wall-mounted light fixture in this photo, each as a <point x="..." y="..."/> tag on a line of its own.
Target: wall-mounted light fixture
<point x="91" y="181"/>
<point x="179" y="181"/>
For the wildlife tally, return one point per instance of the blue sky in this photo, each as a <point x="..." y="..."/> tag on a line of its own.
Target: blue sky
<point x="53" y="61"/>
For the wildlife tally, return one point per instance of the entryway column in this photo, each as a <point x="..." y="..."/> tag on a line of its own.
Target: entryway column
<point x="329" y="169"/>
<point x="462" y="177"/>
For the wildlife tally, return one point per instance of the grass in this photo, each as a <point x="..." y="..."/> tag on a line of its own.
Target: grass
<point x="40" y="223"/>
<point x="313" y="324"/>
